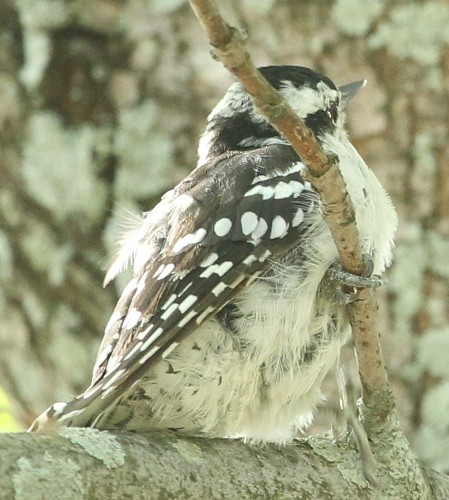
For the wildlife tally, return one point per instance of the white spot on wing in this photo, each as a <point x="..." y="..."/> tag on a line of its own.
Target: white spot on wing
<point x="90" y="392"/>
<point x="237" y="281"/>
<point x="265" y="256"/>
<point x="209" y="260"/>
<point x="293" y="169"/>
<point x="169" y="311"/>
<point x="158" y="271"/>
<point x="149" y="354"/>
<point x="265" y="191"/>
<point x="204" y="314"/>
<point x="144" y="333"/>
<point x="132" y="318"/>
<point x="187" y="303"/>
<point x="103" y="356"/>
<point x="282" y="190"/>
<point x="260" y="178"/>
<point x="142" y="283"/>
<point x="71" y="414"/>
<point x="220" y="269"/>
<point x="105" y="393"/>
<point x="189" y="239"/>
<point x="278" y="227"/>
<point x="249" y="222"/>
<point x="115" y="316"/>
<point x="182" y="202"/>
<point x="157" y="333"/>
<point x="260" y="230"/>
<point x="209" y="271"/>
<point x="223" y="268"/>
<point x="169" y="349"/>
<point x="298" y="218"/>
<point x="184" y="290"/>
<point x="222" y="226"/>
<point x="134" y="350"/>
<point x="166" y="271"/>
<point x="250" y="259"/>
<point x="59" y="406"/>
<point x="130" y="287"/>
<point x="169" y="302"/>
<point x="218" y="289"/>
<point x="187" y="318"/>
<point x="297" y="187"/>
<point x="113" y="379"/>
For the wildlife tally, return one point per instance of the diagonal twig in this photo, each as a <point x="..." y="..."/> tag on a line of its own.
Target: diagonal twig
<point x="227" y="44"/>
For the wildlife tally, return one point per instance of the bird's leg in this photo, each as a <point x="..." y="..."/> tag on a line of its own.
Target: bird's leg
<point x="347" y="285"/>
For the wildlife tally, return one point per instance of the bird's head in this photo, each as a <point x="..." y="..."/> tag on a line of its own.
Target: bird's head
<point x="234" y="124"/>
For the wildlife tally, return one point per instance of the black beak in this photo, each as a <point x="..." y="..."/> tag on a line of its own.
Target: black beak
<point x="349" y="90"/>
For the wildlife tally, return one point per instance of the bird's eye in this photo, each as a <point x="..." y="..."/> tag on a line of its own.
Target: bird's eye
<point x="332" y="112"/>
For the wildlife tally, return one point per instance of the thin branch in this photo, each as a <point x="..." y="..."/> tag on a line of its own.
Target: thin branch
<point x="227" y="45"/>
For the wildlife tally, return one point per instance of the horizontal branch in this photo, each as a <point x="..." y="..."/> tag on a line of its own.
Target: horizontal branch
<point x="86" y="463"/>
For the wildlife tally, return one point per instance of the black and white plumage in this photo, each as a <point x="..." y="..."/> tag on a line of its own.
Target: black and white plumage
<point x="226" y="328"/>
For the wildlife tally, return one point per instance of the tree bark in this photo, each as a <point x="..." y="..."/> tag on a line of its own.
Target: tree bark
<point x="87" y="463"/>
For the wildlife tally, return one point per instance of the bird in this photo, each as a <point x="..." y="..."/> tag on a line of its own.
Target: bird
<point x="231" y="319"/>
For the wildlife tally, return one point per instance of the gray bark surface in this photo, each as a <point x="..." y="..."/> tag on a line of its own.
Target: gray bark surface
<point x="89" y="464"/>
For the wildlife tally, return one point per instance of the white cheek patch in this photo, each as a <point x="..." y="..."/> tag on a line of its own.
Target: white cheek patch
<point x="306" y="101"/>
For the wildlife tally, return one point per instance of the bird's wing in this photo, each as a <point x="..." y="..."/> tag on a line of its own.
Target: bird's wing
<point x="205" y="240"/>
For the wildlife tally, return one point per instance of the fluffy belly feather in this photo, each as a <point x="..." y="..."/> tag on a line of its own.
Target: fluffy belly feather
<point x="257" y="378"/>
